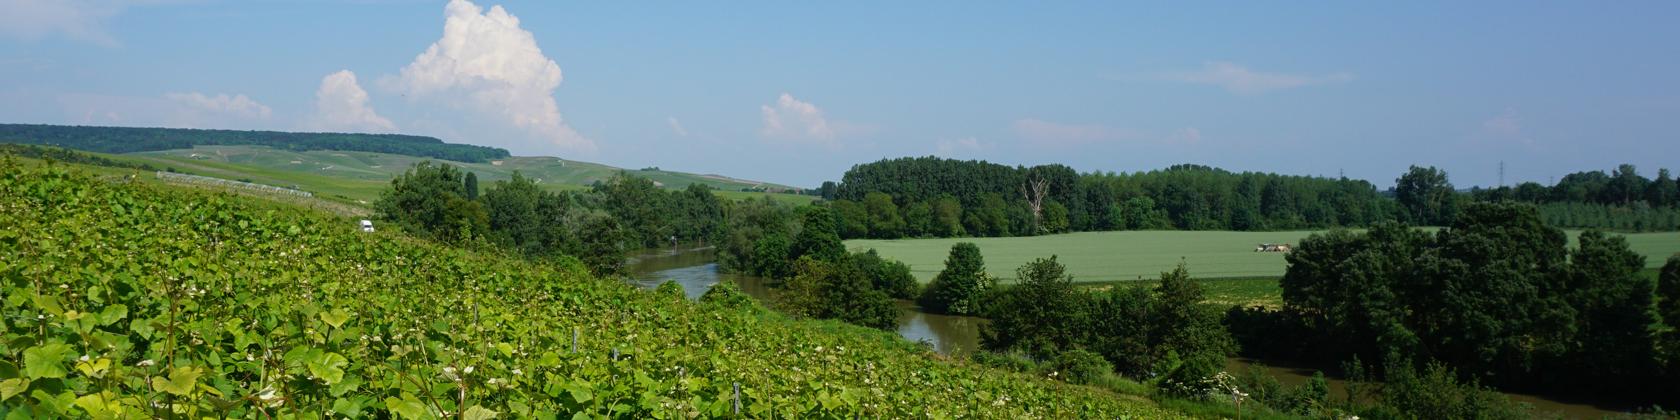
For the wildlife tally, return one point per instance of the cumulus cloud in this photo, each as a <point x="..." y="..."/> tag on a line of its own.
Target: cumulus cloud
<point x="1047" y="132"/>
<point x="1238" y="79"/>
<point x="792" y="119"/>
<point x="341" y="105"/>
<point x="676" y="127"/>
<point x="221" y="105"/>
<point x="486" y="63"/>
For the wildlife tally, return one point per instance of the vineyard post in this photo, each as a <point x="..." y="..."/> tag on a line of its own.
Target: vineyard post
<point x="574" y="339"/>
<point x="737" y="398"/>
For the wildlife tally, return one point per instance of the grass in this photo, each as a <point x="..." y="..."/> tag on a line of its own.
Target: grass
<point x="1106" y="257"/>
<point x="358" y="177"/>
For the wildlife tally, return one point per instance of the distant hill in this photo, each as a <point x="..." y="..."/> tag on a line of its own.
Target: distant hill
<point x="347" y="167"/>
<point x="360" y="175"/>
<point x="143" y="139"/>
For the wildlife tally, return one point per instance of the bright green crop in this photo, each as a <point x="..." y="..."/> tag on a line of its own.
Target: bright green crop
<point x="133" y="301"/>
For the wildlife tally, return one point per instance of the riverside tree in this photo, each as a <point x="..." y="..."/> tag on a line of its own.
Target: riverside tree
<point x="958" y="288"/>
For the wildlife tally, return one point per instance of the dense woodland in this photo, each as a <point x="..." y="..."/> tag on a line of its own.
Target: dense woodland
<point x="1499" y="296"/>
<point x="139" y="139"/>
<point x="934" y="197"/>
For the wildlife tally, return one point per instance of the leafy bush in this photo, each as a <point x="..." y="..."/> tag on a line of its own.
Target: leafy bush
<point x="1080" y="367"/>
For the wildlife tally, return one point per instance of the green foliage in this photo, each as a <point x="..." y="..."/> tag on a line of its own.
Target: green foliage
<point x="1078" y="366"/>
<point x="1668" y="310"/>
<point x="891" y="277"/>
<point x="136" y="301"/>
<point x="728" y="295"/>
<point x="59" y="154"/>
<point x="1499" y="295"/>
<point x="958" y="288"/>
<point x="1426" y="195"/>
<point x="1436" y="393"/>
<point x="131" y="139"/>
<point x="1042" y="314"/>
<point x="430" y="200"/>
<point x="884" y="221"/>
<point x="838" y="290"/>
<point x="818" y="237"/>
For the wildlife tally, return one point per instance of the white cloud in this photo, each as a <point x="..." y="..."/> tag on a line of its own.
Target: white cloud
<point x="220" y="106"/>
<point x="792" y="119"/>
<point x="1241" y="80"/>
<point x="676" y="127"/>
<point x="342" y="106"/>
<point x="1046" y="132"/>
<point x="485" y="62"/>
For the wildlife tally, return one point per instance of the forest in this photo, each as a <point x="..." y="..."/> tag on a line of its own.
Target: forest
<point x="142" y="139"/>
<point x="935" y="197"/>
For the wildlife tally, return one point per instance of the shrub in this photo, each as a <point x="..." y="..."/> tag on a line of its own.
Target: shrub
<point x="1079" y="367"/>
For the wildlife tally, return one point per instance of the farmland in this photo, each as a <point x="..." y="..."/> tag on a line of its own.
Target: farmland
<point x="1131" y="255"/>
<point x="158" y="301"/>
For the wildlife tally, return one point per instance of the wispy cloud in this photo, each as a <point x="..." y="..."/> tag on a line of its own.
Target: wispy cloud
<point x="966" y="145"/>
<point x="1505" y="127"/>
<point x="1055" y="133"/>
<point x="676" y="127"/>
<point x="486" y="63"/>
<point x="1241" y="80"/>
<point x="220" y="105"/>
<point x="80" y="20"/>
<point x="342" y="105"/>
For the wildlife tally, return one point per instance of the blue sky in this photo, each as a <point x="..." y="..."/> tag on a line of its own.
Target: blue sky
<point x="797" y="92"/>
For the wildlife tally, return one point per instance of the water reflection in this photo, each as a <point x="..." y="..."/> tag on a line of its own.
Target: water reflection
<point x="696" y="271"/>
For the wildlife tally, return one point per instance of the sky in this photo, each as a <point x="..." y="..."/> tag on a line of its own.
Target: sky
<point x="798" y="92"/>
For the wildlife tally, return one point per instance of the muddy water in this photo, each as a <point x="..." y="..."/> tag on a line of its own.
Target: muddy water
<point x="696" y="271"/>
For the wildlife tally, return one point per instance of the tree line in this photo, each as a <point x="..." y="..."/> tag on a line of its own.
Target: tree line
<point x="597" y="227"/>
<point x="929" y="196"/>
<point x="935" y="197"/>
<point x="1499" y="296"/>
<point x="147" y="139"/>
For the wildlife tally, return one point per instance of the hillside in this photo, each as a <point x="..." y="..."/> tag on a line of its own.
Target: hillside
<point x="126" y="300"/>
<point x="140" y="139"/>
<point x="361" y="175"/>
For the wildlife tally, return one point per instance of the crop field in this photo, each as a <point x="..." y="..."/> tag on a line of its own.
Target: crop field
<point x="1134" y="255"/>
<point x="152" y="301"/>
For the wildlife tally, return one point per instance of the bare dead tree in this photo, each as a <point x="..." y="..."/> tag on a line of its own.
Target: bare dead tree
<point x="1035" y="198"/>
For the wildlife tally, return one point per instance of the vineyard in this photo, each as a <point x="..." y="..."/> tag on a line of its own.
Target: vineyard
<point x="125" y="300"/>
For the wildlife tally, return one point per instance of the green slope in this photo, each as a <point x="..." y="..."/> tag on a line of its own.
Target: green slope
<point x="359" y="176"/>
<point x="130" y="300"/>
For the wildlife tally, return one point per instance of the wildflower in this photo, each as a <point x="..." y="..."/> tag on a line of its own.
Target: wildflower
<point x="517" y="372"/>
<point x="144" y="363"/>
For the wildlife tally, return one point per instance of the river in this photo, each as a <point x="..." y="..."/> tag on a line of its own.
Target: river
<point x="696" y="271"/>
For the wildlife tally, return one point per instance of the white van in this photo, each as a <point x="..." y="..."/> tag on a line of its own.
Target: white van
<point x="367" y="225"/>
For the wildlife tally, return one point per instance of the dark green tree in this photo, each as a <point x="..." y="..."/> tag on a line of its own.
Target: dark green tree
<point x="959" y="287"/>
<point x="430" y="199"/>
<point x="884" y="220"/>
<point x="1041" y="315"/>
<point x="1427" y="196"/>
<point x="818" y="238"/>
<point x="1614" y="305"/>
<point x="472" y="186"/>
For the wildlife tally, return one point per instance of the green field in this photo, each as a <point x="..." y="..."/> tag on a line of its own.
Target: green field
<point x="1133" y="255"/>
<point x="357" y="177"/>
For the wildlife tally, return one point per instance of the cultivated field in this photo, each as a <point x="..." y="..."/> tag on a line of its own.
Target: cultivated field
<point x="1133" y="255"/>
